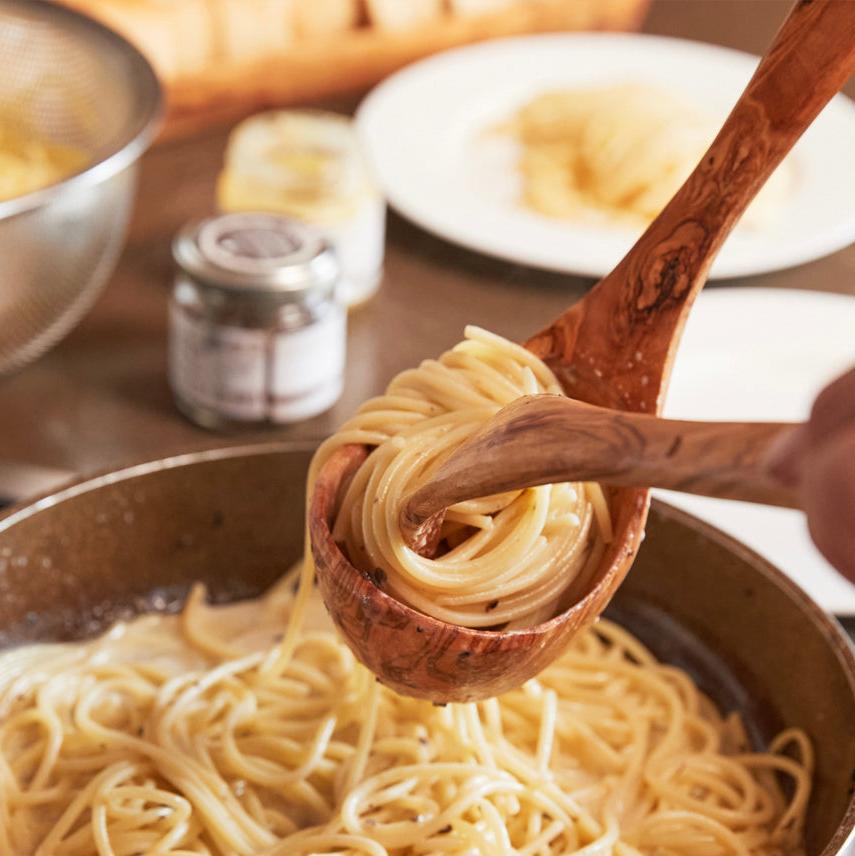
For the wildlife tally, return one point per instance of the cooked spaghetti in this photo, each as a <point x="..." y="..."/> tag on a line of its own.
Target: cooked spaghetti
<point x="177" y="735"/>
<point x="251" y="729"/>
<point x="619" y="153"/>
<point x="510" y="558"/>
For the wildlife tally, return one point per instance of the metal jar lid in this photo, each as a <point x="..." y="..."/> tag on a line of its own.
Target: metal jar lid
<point x="259" y="253"/>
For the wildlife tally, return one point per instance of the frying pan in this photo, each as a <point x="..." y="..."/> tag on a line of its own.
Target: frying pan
<point x="111" y="546"/>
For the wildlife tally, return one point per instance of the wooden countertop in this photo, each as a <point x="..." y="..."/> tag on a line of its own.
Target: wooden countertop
<point x="101" y="399"/>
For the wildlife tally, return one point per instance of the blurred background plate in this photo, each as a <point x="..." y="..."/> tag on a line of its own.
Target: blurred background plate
<point x="764" y="353"/>
<point x="424" y="129"/>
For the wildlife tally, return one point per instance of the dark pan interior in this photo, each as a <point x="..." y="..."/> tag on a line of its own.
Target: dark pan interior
<point x="72" y="563"/>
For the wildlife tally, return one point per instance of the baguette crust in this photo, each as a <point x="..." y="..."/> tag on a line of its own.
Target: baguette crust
<point x="395" y="15"/>
<point x="241" y="35"/>
<point x="476" y="7"/>
<point x="322" y="17"/>
<point x="239" y="63"/>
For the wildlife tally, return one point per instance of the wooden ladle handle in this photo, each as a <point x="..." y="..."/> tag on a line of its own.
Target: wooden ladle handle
<point x="546" y="439"/>
<point x="627" y="328"/>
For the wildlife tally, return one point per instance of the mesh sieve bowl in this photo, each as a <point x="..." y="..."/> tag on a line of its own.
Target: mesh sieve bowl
<point x="73" y="82"/>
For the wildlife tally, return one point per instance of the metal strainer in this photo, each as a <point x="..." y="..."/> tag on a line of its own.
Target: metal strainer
<point x="71" y="81"/>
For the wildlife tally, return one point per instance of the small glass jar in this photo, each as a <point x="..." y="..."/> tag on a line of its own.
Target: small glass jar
<point x="307" y="164"/>
<point x="256" y="333"/>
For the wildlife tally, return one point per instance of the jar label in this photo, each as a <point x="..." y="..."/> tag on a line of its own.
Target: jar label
<point x="307" y="366"/>
<point x="252" y="375"/>
<point x="218" y="367"/>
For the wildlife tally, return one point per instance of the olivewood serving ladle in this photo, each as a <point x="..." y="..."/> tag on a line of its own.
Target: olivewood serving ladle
<point x="614" y="349"/>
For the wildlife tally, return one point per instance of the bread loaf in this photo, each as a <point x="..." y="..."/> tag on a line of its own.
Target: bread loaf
<point x="476" y="7"/>
<point x="322" y="17"/>
<point x="395" y="15"/>
<point x="240" y="35"/>
<point x="223" y="59"/>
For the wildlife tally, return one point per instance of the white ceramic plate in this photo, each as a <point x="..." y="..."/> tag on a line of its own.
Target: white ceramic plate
<point x="764" y="353"/>
<point x="423" y="130"/>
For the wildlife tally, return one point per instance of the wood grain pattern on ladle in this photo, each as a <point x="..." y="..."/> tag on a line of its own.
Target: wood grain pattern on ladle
<point x="614" y="348"/>
<point x="546" y="439"/>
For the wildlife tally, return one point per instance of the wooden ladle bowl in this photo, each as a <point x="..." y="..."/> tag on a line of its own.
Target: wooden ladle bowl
<point x="613" y="348"/>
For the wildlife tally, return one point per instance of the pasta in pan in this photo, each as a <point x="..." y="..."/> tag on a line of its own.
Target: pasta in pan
<point x="251" y="729"/>
<point x="175" y="735"/>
